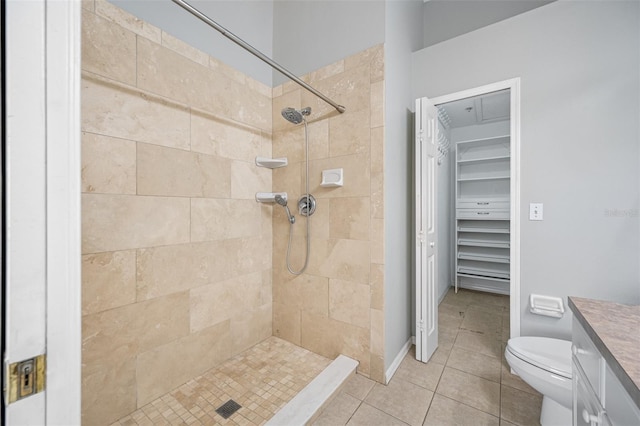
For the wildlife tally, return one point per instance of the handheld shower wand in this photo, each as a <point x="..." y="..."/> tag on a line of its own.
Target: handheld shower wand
<point x="283" y="202"/>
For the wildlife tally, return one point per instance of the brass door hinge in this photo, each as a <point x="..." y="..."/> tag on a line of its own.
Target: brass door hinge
<point x="25" y="378"/>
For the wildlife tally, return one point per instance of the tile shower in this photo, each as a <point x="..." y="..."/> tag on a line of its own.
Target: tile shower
<point x="182" y="269"/>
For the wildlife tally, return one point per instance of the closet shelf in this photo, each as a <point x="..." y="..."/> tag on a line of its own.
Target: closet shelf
<point x="483" y="178"/>
<point x="481" y="277"/>
<point x="484" y="227"/>
<point x="485" y="159"/>
<point x="488" y="141"/>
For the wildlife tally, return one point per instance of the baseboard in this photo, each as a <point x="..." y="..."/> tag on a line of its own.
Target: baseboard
<point x="398" y="359"/>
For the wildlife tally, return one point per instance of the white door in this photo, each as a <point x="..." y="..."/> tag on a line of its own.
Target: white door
<point x="42" y="210"/>
<point x="426" y="120"/>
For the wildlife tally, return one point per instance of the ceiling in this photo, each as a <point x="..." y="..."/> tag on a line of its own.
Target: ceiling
<point x="481" y="109"/>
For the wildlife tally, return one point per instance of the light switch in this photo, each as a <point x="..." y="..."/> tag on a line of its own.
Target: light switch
<point x="535" y="211"/>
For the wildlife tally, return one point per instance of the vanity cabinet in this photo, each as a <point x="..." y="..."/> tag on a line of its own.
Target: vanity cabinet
<point x="598" y="396"/>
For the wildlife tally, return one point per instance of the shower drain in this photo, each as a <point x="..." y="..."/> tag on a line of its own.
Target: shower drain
<point x="228" y="408"/>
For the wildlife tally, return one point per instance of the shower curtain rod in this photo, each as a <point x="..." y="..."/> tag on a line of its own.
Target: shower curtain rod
<point x="237" y="40"/>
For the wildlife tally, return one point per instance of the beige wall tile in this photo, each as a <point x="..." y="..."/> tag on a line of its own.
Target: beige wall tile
<point x="126" y="331"/>
<point x="377" y="241"/>
<point x="377" y="332"/>
<point x="214" y="303"/>
<point x="266" y="290"/>
<point x="377" y="286"/>
<point x="377" y="149"/>
<point x="120" y="222"/>
<point x="217" y="219"/>
<point x="350" y="218"/>
<point x="349" y="302"/>
<point x="325" y="72"/>
<point x="199" y="86"/>
<point x="184" y="49"/>
<point x="357" y="178"/>
<point x="320" y="221"/>
<point x="329" y="337"/>
<point x="251" y="327"/>
<point x="112" y="111"/>
<point x="364" y="57"/>
<point x="226" y="138"/>
<point x="314" y="294"/>
<point x="176" y="268"/>
<point x="350" y="89"/>
<point x="377" y="195"/>
<point x="174" y="172"/>
<point x="286" y="323"/>
<point x="247" y="179"/>
<point x="108" y="164"/>
<point x="350" y="133"/>
<point x="108" y="393"/>
<point x="290" y="141"/>
<point x="377" y="104"/>
<point x="128" y="21"/>
<point x="108" y="280"/>
<point x="289" y="179"/>
<point x="377" y="371"/>
<point x="166" y="367"/>
<point x="89" y="5"/>
<point x="221" y="68"/>
<point x="247" y="255"/>
<point x="108" y="49"/>
<point x="266" y="224"/>
<point x="342" y="259"/>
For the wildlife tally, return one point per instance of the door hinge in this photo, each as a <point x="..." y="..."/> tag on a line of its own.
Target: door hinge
<point x="420" y="326"/>
<point x="25" y="378"/>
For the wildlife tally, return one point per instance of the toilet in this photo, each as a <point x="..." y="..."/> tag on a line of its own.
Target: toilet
<point x="545" y="364"/>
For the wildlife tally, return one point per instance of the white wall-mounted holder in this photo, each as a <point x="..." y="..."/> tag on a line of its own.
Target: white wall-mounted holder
<point x="269" y="197"/>
<point x="271" y="163"/>
<point x="548" y="306"/>
<point x="333" y="178"/>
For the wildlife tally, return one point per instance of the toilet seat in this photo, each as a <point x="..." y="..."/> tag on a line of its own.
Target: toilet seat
<point x="552" y="355"/>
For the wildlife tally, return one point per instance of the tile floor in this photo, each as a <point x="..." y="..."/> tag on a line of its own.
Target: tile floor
<point x="262" y="380"/>
<point x="467" y="381"/>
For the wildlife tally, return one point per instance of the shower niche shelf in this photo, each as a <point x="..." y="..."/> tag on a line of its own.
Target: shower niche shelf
<point x="271" y="163"/>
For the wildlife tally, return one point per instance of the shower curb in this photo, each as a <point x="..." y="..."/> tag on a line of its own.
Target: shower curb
<point x="305" y="405"/>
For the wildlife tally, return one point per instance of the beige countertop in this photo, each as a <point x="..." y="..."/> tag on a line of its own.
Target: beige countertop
<point x="615" y="330"/>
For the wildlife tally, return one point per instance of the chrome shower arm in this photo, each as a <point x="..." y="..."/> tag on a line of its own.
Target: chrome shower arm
<point x="237" y="40"/>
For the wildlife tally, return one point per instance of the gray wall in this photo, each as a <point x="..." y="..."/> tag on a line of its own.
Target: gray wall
<point x="403" y="36"/>
<point x="447" y="19"/>
<point x="308" y="35"/>
<point x="444" y="219"/>
<point x="252" y="21"/>
<point x="579" y="67"/>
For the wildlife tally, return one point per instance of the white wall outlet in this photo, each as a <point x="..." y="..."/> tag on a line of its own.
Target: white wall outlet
<point x="535" y="211"/>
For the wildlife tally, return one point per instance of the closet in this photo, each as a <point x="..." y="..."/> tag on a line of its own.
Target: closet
<point x="480" y="141"/>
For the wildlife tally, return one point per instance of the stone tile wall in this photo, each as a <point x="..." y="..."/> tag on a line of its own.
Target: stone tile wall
<point x="336" y="306"/>
<point x="176" y="252"/>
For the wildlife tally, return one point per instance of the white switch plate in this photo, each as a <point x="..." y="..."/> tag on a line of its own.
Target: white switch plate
<point x="535" y="211"/>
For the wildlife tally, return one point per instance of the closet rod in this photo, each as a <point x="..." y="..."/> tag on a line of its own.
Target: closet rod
<point x="237" y="40"/>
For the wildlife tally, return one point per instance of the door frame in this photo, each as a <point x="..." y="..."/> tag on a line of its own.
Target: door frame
<point x="42" y="174"/>
<point x="514" y="269"/>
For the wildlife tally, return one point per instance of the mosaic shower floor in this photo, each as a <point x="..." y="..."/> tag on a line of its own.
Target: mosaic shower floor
<point x="262" y="380"/>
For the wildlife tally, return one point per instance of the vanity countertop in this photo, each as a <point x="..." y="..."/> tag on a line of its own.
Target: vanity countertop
<point x="615" y="330"/>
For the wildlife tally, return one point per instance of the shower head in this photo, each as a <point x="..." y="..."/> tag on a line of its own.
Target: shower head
<point x="294" y="116"/>
<point x="279" y="199"/>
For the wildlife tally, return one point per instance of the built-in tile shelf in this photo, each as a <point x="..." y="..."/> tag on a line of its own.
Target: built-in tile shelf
<point x="271" y="163"/>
